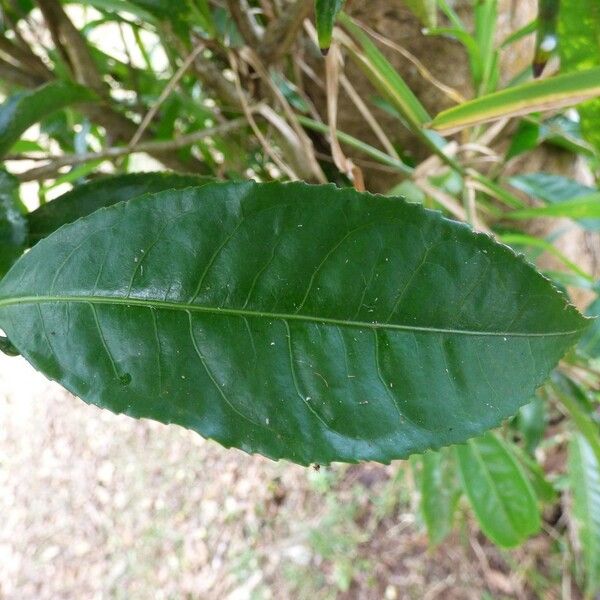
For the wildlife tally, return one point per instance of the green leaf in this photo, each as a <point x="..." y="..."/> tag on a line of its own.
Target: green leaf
<point x="531" y="422"/>
<point x="439" y="493"/>
<point x="296" y="321"/>
<point x="525" y="138"/>
<point x="100" y="193"/>
<point x="24" y="146"/>
<point x="552" y="189"/>
<point x="543" y="94"/>
<point x="13" y="226"/>
<point x="590" y="342"/>
<point x="326" y="12"/>
<point x="544" y="490"/>
<point x="584" y="477"/>
<point x="579" y="32"/>
<point x="500" y="494"/>
<point x="584" y="207"/>
<point x="520" y="239"/>
<point x="424" y="10"/>
<point x="385" y="78"/>
<point x="119" y="6"/>
<point x="24" y="109"/>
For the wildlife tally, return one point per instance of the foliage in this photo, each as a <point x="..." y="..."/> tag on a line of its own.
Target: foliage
<point x="299" y="321"/>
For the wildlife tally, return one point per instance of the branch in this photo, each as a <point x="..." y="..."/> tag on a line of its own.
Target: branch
<point x="154" y="148"/>
<point x="165" y="94"/>
<point x="25" y="57"/>
<point x="72" y="46"/>
<point x="245" y="21"/>
<point x="281" y="34"/>
<point x="15" y="75"/>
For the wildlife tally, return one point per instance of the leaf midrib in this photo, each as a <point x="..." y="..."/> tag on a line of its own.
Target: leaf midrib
<point x="186" y="307"/>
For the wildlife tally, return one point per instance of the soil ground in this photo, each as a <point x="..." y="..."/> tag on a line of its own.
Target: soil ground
<point x="95" y="505"/>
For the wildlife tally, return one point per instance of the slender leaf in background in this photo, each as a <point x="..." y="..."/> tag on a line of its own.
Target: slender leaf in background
<point x="486" y="17"/>
<point x="552" y="189"/>
<point x="543" y="94"/>
<point x="25" y="146"/>
<point x="544" y="490"/>
<point x="439" y="493"/>
<point x="116" y="6"/>
<point x="531" y="423"/>
<point x="579" y="31"/>
<point x="22" y="110"/>
<point x="385" y="78"/>
<point x="424" y="10"/>
<point x="564" y="131"/>
<point x="549" y="187"/>
<point x="590" y="342"/>
<point x="584" y="477"/>
<point x="499" y="493"/>
<point x="546" y="37"/>
<point x="13" y="226"/>
<point x="177" y="14"/>
<point x="326" y="12"/>
<point x="7" y="348"/>
<point x="520" y="239"/>
<point x="357" y="144"/>
<point x="519" y="34"/>
<point x="302" y="322"/>
<point x="575" y="401"/>
<point x="525" y="138"/>
<point x="584" y="207"/>
<point x="100" y="193"/>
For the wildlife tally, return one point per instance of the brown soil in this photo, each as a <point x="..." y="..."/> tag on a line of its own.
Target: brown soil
<point x="101" y="506"/>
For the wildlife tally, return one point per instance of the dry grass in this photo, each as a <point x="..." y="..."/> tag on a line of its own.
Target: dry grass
<point x="95" y="505"/>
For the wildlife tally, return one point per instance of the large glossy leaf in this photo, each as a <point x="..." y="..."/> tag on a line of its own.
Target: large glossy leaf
<point x="326" y="12"/>
<point x="500" y="494"/>
<point x="13" y="227"/>
<point x="24" y="109"/>
<point x="584" y="476"/>
<point x="543" y="94"/>
<point x="579" y="31"/>
<point x="100" y="193"/>
<point x="301" y="322"/>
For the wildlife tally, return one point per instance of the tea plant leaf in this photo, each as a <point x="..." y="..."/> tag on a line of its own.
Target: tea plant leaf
<point x="296" y="321"/>
<point x="13" y="226"/>
<point x="100" y="193"/>
<point x="500" y="494"/>
<point x="20" y="111"/>
<point x="439" y="494"/>
<point x="543" y="94"/>
<point x="326" y="12"/>
<point x="579" y="32"/>
<point x="584" y="477"/>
